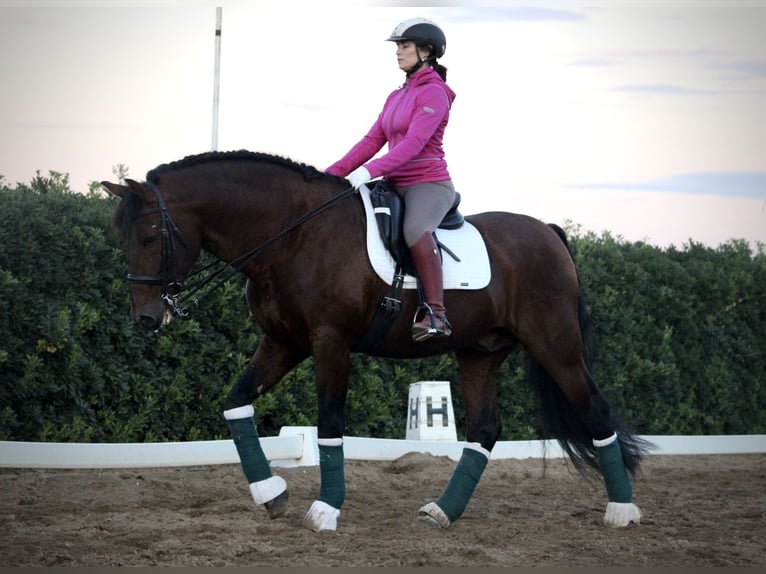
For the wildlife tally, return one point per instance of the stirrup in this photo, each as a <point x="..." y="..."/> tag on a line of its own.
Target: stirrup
<point x="421" y="332"/>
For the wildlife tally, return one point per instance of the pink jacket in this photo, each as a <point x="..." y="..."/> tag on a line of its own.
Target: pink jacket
<point x="412" y="122"/>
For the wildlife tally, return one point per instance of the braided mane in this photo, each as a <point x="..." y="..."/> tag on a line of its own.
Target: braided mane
<point x="131" y="205"/>
<point x="309" y="172"/>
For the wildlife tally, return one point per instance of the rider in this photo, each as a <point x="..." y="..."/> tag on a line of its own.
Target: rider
<point x="413" y="121"/>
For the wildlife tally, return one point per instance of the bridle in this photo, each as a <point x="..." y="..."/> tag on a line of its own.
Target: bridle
<point x="172" y="286"/>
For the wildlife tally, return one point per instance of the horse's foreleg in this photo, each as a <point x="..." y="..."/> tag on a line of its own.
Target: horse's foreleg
<point x="331" y="366"/>
<point x="478" y="374"/>
<point x="267" y="367"/>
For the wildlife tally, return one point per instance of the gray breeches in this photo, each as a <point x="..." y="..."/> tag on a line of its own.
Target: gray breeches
<point x="425" y="205"/>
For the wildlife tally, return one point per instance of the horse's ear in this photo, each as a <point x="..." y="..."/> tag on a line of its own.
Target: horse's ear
<point x="140" y="190"/>
<point x="115" y="188"/>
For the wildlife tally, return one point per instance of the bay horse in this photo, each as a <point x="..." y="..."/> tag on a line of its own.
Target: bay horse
<point x="298" y="236"/>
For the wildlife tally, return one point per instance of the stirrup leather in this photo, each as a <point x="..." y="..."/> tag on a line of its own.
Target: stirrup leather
<point x="422" y="332"/>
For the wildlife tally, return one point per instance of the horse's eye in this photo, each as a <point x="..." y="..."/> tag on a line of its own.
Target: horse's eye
<point x="149" y="239"/>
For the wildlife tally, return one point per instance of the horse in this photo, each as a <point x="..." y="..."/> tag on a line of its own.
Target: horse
<point x="298" y="236"/>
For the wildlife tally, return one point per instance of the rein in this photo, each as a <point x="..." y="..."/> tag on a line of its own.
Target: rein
<point x="172" y="288"/>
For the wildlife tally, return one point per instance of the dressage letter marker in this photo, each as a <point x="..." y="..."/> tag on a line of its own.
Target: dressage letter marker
<point x="429" y="412"/>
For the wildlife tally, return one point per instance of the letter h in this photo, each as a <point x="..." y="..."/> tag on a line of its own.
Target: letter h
<point x="430" y="412"/>
<point x="414" y="403"/>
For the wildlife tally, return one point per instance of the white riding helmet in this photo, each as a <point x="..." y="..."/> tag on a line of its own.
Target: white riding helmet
<point x="423" y="32"/>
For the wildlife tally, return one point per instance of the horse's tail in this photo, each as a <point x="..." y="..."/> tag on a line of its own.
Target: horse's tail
<point x="559" y="418"/>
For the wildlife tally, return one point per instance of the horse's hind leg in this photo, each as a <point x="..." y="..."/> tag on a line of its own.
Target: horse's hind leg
<point x="582" y="419"/>
<point x="478" y="389"/>
<point x="271" y="362"/>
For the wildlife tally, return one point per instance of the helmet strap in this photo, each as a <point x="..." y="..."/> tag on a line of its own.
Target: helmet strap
<point x="415" y="68"/>
<point x="420" y="63"/>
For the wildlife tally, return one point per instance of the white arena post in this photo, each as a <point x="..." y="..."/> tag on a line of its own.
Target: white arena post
<point x="430" y="415"/>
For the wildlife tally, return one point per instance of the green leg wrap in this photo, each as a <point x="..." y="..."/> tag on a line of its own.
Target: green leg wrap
<point x="333" y="480"/>
<point x="464" y="479"/>
<point x="251" y="455"/>
<point x="618" y="487"/>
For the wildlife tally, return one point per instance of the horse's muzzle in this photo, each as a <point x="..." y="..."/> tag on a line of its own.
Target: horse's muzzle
<point x="151" y="316"/>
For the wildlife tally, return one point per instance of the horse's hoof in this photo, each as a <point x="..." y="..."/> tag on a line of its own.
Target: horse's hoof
<point x="321" y="517"/>
<point x="278" y="506"/>
<point x="621" y="514"/>
<point x="432" y="515"/>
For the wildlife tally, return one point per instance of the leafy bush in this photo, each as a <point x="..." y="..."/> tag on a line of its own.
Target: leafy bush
<point x="680" y="340"/>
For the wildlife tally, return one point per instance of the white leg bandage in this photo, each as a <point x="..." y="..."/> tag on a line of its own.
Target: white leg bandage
<point x="330" y="441"/>
<point x="265" y="490"/>
<point x="321" y="516"/>
<point x="478" y="448"/>
<point x="433" y="515"/>
<point x="244" y="412"/>
<point x="621" y="514"/>
<point x="605" y="442"/>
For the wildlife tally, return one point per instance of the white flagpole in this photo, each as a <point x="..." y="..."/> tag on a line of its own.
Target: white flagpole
<point x="217" y="75"/>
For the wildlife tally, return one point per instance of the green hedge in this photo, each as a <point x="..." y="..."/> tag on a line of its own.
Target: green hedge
<point x="681" y="333"/>
<point x="680" y="340"/>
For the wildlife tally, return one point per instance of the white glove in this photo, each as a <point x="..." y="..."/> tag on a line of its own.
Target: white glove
<point x="359" y="177"/>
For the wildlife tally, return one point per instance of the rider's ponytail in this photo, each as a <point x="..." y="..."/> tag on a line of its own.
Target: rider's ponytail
<point x="441" y="70"/>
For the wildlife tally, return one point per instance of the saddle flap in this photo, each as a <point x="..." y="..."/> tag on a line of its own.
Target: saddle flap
<point x="389" y="215"/>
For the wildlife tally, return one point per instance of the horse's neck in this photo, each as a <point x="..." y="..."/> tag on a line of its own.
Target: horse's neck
<point x="234" y="222"/>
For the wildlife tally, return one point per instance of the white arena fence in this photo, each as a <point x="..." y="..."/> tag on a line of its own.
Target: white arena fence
<point x="430" y="429"/>
<point x="297" y="446"/>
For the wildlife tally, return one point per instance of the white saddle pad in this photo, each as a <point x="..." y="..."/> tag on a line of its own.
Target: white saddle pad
<point x="471" y="272"/>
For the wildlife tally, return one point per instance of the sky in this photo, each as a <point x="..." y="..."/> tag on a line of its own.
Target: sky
<point x="646" y="120"/>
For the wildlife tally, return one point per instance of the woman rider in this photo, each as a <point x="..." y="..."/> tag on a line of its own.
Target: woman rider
<point x="413" y="121"/>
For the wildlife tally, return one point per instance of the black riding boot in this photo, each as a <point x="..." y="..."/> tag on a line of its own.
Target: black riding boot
<point x="429" y="266"/>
